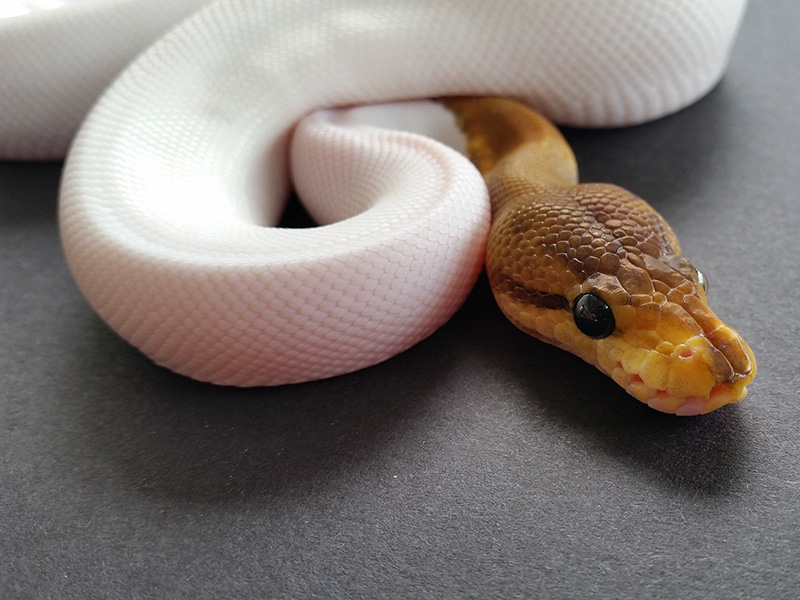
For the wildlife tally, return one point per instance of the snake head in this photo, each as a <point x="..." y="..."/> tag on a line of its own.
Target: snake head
<point x="595" y="270"/>
<point x="667" y="349"/>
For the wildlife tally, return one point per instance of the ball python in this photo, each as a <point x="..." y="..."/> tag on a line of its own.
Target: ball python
<point x="174" y="184"/>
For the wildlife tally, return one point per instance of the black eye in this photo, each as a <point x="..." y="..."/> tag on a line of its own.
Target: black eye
<point x="701" y="280"/>
<point x="593" y="316"/>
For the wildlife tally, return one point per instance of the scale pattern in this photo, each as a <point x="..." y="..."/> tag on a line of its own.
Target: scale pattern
<point x="57" y="61"/>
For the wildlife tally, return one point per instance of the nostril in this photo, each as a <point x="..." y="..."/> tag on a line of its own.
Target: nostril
<point x="685" y="352"/>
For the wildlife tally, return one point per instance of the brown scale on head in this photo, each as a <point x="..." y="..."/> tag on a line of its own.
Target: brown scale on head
<point x="595" y="270"/>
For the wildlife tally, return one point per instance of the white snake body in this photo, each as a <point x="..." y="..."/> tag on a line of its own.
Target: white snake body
<point x="180" y="171"/>
<point x="57" y="56"/>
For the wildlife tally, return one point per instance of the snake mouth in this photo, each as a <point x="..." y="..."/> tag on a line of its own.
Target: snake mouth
<point x="724" y="389"/>
<point x="687" y="406"/>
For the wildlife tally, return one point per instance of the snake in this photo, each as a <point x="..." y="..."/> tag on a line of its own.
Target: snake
<point x="174" y="184"/>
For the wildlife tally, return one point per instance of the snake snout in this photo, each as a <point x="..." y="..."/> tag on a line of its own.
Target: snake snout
<point x="719" y="373"/>
<point x="737" y="353"/>
<point x="683" y="365"/>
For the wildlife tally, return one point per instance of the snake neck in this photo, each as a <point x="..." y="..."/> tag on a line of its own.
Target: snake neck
<point x="508" y="142"/>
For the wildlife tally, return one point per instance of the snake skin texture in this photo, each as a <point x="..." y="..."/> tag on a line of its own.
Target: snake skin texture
<point x="56" y="61"/>
<point x="177" y="175"/>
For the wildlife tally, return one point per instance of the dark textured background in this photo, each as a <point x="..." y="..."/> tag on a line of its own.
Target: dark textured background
<point x="479" y="464"/>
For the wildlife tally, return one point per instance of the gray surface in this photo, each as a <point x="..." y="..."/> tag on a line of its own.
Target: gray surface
<point x="478" y="464"/>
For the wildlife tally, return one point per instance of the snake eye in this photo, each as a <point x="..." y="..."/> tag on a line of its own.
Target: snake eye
<point x="593" y="316"/>
<point x="701" y="280"/>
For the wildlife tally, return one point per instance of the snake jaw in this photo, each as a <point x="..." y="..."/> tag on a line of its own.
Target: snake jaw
<point x="682" y="405"/>
<point x="685" y="376"/>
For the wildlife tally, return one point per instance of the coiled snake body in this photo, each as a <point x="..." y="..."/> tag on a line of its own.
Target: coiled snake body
<point x="178" y="172"/>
